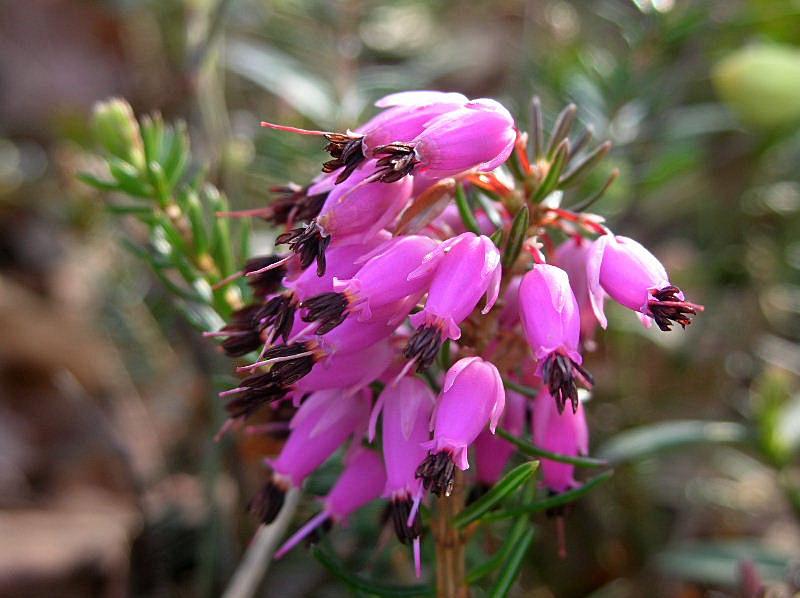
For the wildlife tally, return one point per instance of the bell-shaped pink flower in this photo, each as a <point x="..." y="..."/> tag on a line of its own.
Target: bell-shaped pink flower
<point x="565" y="433"/>
<point x="480" y="135"/>
<point x="551" y="320"/>
<point x="406" y="115"/>
<point x="354" y="211"/>
<point x="572" y="256"/>
<point x="348" y="370"/>
<point x="491" y="452"/>
<point x="472" y="396"/>
<point x="342" y="261"/>
<point x="361" y="482"/>
<point x="407" y="407"/>
<point x="464" y="268"/>
<point x="383" y="279"/>
<point x="633" y="277"/>
<point x="324" y="421"/>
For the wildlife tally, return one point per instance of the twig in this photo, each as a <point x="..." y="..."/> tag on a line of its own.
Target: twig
<point x="257" y="557"/>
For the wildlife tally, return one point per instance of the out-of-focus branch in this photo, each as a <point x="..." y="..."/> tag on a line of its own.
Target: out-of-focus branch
<point x="256" y="559"/>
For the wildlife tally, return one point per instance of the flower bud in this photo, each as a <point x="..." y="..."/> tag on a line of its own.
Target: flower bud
<point x="633" y="277"/>
<point x="115" y="128"/>
<point x="551" y="321"/>
<point x="479" y="135"/>
<point x="465" y="268"/>
<point x="761" y="83"/>
<point x="472" y="396"/>
<point x="565" y="433"/>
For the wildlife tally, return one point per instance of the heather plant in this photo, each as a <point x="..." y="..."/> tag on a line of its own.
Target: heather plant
<point x="424" y="316"/>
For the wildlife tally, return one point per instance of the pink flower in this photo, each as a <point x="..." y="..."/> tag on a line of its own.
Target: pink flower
<point x="407" y="115"/>
<point x="355" y="211"/>
<point x="348" y="370"/>
<point x="572" y="256"/>
<point x="480" y="135"/>
<point x="324" y="421"/>
<point x="472" y="396"/>
<point x="464" y="268"/>
<point x="491" y="452"/>
<point x="565" y="433"/>
<point x="633" y="277"/>
<point x="551" y="320"/>
<point x="382" y="280"/>
<point x="407" y="408"/>
<point x="342" y="261"/>
<point x="361" y="481"/>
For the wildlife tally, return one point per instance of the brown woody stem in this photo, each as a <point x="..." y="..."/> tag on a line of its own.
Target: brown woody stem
<point x="450" y="563"/>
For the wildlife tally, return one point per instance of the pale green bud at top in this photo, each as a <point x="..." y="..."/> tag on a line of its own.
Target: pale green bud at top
<point x="761" y="84"/>
<point x="115" y="128"/>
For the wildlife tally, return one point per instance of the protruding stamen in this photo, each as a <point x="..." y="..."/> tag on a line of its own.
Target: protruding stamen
<point x="309" y="242"/>
<point x="258" y="364"/>
<point x="667" y="308"/>
<point x="400" y="512"/>
<point x="310" y="525"/>
<point x="328" y="309"/>
<point x="438" y="472"/>
<point x="278" y="314"/>
<point x="271" y="266"/>
<point x="347" y="152"/>
<point x="424" y="346"/>
<point x="227" y="280"/>
<point x="561" y="537"/>
<point x="398" y="160"/>
<point x="560" y="373"/>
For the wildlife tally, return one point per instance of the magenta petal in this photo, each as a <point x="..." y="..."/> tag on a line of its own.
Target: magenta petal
<point x="479" y="135"/>
<point x="357" y="208"/>
<point x="407" y="410"/>
<point x="348" y="370"/>
<point x="330" y="418"/>
<point x="474" y="394"/>
<point x="565" y="433"/>
<point x="549" y="312"/>
<point x="468" y="266"/>
<point x="362" y="481"/>
<point x="629" y="272"/>
<point x="420" y="98"/>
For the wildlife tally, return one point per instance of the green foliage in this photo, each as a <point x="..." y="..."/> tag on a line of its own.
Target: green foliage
<point x="188" y="247"/>
<point x="502" y="489"/>
<point x="649" y="440"/>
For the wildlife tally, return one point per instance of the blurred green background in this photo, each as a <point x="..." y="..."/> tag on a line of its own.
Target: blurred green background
<point x="110" y="483"/>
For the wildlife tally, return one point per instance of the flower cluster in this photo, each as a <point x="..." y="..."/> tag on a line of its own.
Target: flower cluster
<point x="383" y="283"/>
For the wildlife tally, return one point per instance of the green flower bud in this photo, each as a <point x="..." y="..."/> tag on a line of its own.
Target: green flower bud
<point x="115" y="128"/>
<point x="761" y="83"/>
